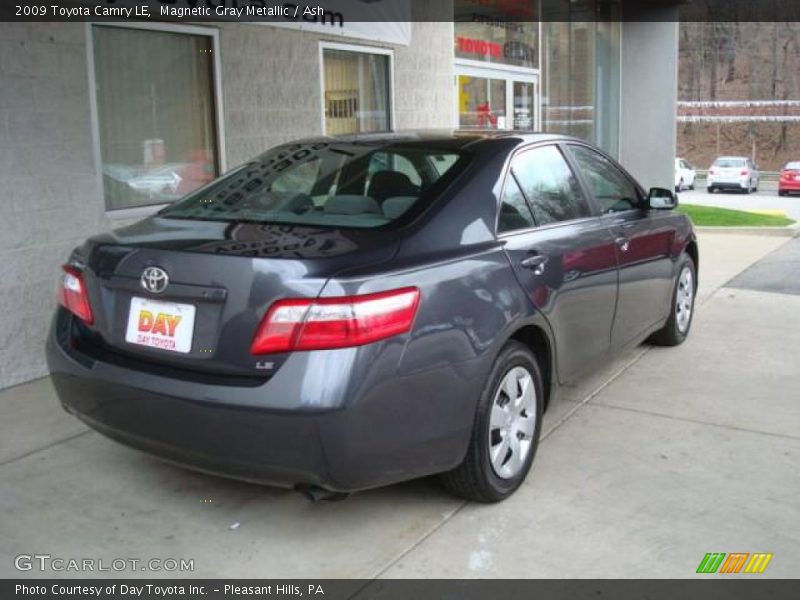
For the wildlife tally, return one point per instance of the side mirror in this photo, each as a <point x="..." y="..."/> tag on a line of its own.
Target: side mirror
<point x="662" y="199"/>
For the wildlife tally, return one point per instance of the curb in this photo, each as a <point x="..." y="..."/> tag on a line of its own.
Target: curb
<point x="791" y="231"/>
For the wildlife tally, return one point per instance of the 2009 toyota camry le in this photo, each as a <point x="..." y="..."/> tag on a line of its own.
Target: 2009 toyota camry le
<point x="344" y="313"/>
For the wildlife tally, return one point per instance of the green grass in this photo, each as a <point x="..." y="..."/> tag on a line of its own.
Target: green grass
<point x="725" y="217"/>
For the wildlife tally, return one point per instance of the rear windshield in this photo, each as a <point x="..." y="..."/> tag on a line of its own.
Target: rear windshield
<point x="730" y="162"/>
<point x="792" y="166"/>
<point x="354" y="185"/>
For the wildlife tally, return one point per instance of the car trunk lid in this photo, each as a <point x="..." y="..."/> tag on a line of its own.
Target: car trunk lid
<point x="222" y="277"/>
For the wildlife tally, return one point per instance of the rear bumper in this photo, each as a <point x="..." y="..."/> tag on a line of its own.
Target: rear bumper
<point x="356" y="437"/>
<point x="789" y="186"/>
<point x="739" y="184"/>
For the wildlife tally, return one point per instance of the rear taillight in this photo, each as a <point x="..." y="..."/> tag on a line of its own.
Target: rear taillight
<point x="325" y="323"/>
<point x="711" y="171"/>
<point x="744" y="172"/>
<point x="73" y="296"/>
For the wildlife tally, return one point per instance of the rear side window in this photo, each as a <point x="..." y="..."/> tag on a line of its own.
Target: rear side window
<point x="792" y="166"/>
<point x="612" y="189"/>
<point x="514" y="210"/>
<point x="550" y="185"/>
<point x="356" y="185"/>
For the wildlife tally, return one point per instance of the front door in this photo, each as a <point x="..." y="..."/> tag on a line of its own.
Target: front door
<point x="643" y="243"/>
<point x="497" y="99"/>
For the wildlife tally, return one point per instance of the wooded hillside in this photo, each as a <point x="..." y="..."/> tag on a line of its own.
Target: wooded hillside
<point x="724" y="68"/>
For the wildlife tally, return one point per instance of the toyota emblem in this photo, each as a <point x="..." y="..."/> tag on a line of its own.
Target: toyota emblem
<point x="154" y="280"/>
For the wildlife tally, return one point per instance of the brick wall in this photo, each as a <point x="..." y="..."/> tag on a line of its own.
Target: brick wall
<point x="52" y="197"/>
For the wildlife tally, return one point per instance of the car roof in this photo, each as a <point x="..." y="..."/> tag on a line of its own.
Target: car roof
<point x="451" y="138"/>
<point x="732" y="157"/>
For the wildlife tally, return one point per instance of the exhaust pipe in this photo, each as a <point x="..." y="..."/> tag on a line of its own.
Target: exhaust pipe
<point x="314" y="493"/>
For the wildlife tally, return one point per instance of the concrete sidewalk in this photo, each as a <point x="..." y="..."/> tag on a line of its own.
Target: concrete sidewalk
<point x="660" y="457"/>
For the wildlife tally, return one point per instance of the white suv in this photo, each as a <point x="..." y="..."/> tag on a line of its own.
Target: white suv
<point x="734" y="173"/>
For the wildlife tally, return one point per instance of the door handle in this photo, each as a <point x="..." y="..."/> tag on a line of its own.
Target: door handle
<point x="623" y="243"/>
<point x="535" y="262"/>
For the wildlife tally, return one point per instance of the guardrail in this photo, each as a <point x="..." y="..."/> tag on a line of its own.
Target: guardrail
<point x="763" y="175"/>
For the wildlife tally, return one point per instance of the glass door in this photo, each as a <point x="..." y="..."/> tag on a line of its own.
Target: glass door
<point x="524" y="98"/>
<point x="497" y="99"/>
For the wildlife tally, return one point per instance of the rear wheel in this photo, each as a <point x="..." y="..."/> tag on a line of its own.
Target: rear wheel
<point x="710" y="190"/>
<point x="506" y="430"/>
<point x="676" y="329"/>
<point x="782" y="193"/>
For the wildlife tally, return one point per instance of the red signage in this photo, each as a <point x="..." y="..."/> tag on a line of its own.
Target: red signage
<point x="480" y="47"/>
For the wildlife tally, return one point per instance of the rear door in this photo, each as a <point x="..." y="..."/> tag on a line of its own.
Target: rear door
<point x="643" y="240"/>
<point x="562" y="253"/>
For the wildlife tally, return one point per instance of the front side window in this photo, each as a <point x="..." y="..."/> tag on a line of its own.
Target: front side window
<point x="357" y="92"/>
<point x="334" y="184"/>
<point x="156" y="114"/>
<point x="550" y="185"/>
<point x="612" y="189"/>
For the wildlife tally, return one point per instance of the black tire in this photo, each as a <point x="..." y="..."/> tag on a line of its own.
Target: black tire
<point x="710" y="190"/>
<point x="672" y="334"/>
<point x="691" y="187"/>
<point x="780" y="193"/>
<point x="475" y="478"/>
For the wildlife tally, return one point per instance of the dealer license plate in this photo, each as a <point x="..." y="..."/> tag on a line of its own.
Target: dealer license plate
<point x="164" y="325"/>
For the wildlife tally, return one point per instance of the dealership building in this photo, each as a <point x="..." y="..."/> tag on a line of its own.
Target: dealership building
<point x="102" y="123"/>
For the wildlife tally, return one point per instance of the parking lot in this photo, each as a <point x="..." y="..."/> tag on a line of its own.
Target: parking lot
<point x="662" y="456"/>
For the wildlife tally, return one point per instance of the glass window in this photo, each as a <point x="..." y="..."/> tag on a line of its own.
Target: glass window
<point x="385" y="161"/>
<point x="581" y="70"/>
<point x="504" y="33"/>
<point x="442" y="162"/>
<point x="730" y="163"/>
<point x="481" y="103"/>
<point x="156" y="114"/>
<point x="612" y="189"/>
<point x="550" y="185"/>
<point x="514" y="210"/>
<point x="356" y="92"/>
<point x="337" y="184"/>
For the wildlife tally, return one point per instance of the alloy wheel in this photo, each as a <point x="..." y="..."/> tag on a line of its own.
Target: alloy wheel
<point x="512" y="422"/>
<point x="684" y="299"/>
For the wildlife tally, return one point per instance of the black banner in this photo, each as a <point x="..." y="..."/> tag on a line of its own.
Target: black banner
<point x="505" y="589"/>
<point x="340" y="11"/>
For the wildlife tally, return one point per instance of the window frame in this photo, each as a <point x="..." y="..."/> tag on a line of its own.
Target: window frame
<point x="219" y="114"/>
<point x="589" y="198"/>
<point x="359" y="49"/>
